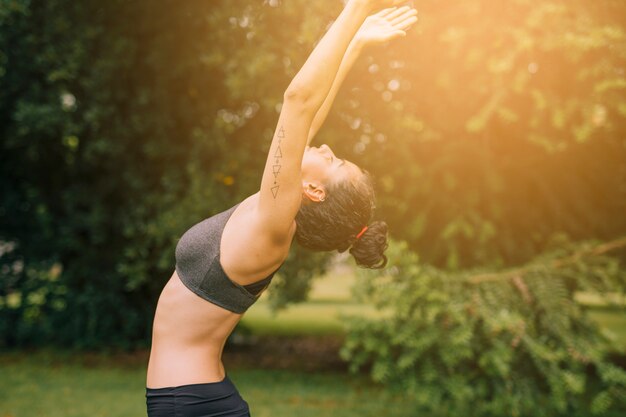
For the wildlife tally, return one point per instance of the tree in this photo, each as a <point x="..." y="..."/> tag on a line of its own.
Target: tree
<point x="491" y="128"/>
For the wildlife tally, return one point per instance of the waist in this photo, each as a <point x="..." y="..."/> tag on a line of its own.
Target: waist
<point x="172" y="366"/>
<point x="224" y="383"/>
<point x="188" y="338"/>
<point x="183" y="316"/>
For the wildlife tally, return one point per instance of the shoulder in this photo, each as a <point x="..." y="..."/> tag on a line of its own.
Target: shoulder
<point x="260" y="224"/>
<point x="248" y="249"/>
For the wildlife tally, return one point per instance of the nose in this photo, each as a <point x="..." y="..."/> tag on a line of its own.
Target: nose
<point x="326" y="149"/>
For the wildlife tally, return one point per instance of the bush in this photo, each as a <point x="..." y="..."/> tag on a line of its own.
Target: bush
<point x="512" y="343"/>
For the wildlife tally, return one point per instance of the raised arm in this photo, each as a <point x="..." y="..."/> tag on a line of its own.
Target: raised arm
<point x="353" y="52"/>
<point x="281" y="186"/>
<point x="378" y="28"/>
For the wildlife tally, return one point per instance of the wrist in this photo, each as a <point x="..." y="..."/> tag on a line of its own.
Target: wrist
<point x="357" y="45"/>
<point x="360" y="6"/>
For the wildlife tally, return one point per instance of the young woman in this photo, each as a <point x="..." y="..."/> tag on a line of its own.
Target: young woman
<point x="224" y="262"/>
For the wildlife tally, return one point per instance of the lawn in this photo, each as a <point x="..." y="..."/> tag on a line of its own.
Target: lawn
<point x="613" y="322"/>
<point x="57" y="385"/>
<point x="329" y="300"/>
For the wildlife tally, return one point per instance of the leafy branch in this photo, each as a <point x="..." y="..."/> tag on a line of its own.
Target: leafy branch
<point x="554" y="264"/>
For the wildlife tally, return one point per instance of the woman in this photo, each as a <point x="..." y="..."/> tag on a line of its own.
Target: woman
<point x="225" y="262"/>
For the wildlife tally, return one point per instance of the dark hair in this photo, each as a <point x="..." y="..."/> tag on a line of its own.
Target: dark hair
<point x="334" y="223"/>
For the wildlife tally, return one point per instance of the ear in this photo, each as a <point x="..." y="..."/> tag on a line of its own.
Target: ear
<point x="314" y="191"/>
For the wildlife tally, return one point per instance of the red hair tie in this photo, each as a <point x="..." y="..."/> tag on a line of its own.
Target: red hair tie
<point x="361" y="232"/>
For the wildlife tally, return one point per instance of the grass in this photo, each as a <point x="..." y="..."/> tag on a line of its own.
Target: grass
<point x="32" y="387"/>
<point x="613" y="322"/>
<point x="56" y="385"/>
<point x="313" y="395"/>
<point x="317" y="317"/>
<point x="330" y="299"/>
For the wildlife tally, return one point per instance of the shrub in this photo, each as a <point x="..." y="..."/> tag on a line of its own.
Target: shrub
<point x="511" y="343"/>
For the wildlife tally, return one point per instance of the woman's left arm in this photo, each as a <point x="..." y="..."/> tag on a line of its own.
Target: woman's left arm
<point x="378" y="28"/>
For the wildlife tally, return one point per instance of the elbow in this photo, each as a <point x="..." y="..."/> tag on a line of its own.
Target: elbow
<point x="299" y="96"/>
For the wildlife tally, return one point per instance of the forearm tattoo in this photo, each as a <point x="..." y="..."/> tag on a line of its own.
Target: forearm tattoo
<point x="278" y="156"/>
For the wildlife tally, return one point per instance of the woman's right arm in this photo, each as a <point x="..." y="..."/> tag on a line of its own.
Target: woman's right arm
<point x="281" y="184"/>
<point x="381" y="27"/>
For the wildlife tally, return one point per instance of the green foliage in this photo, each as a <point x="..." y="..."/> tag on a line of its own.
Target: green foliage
<point x="492" y="127"/>
<point x="506" y="127"/>
<point x="117" y="135"/>
<point x="511" y="343"/>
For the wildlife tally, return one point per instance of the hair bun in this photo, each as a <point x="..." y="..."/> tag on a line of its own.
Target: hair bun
<point x="368" y="250"/>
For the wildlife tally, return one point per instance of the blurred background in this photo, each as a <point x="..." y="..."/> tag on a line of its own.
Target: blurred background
<point x="495" y="131"/>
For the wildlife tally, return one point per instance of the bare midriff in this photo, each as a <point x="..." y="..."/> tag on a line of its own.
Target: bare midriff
<point x="188" y="337"/>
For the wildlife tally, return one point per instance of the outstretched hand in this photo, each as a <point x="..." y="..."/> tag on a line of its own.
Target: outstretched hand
<point x="386" y="25"/>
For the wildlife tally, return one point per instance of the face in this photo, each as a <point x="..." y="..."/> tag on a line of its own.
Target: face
<point x="321" y="167"/>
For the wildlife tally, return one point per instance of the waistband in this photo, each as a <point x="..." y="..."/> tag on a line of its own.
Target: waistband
<point x="224" y="386"/>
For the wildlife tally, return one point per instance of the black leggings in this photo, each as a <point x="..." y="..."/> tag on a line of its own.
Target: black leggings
<point x="198" y="400"/>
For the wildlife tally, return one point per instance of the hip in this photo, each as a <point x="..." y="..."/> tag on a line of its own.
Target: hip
<point x="210" y="399"/>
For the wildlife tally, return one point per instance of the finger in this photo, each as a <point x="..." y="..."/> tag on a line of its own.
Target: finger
<point x="405" y="24"/>
<point x="400" y="18"/>
<point x="386" y="12"/>
<point x="397" y="12"/>
<point x="395" y="34"/>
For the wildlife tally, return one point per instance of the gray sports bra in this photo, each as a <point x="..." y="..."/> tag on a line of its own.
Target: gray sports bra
<point x="198" y="266"/>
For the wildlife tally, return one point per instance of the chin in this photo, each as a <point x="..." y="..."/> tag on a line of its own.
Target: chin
<point x="308" y="157"/>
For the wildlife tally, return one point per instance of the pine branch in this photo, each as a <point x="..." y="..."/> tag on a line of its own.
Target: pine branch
<point x="555" y="264"/>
